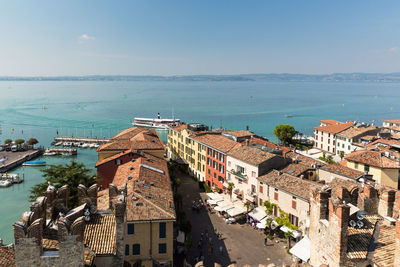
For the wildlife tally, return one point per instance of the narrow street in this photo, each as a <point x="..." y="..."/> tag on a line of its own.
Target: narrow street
<point x="241" y="244"/>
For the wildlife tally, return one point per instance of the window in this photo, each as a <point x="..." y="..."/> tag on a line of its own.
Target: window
<point x="328" y="148"/>
<point x="348" y="147"/>
<point x="342" y="145"/>
<point x="294" y="204"/>
<point x="240" y="169"/>
<point x="131" y="229"/>
<point x="215" y="175"/>
<point x="163" y="230"/>
<point x="294" y="220"/>
<point x="229" y="163"/>
<point x="221" y="179"/>
<point x="338" y="144"/>
<point x="222" y="158"/>
<point x="253" y="174"/>
<point x="209" y="172"/>
<point x="118" y="162"/>
<point x="261" y="202"/>
<point x="162" y="248"/>
<point x="355" y="165"/>
<point x="126" y="249"/>
<point x="136" y="249"/>
<point x="276" y="195"/>
<point x="366" y="168"/>
<point x="253" y="188"/>
<point x="203" y="168"/>
<point x="261" y="189"/>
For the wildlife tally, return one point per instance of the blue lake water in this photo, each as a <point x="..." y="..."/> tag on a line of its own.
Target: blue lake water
<point x="103" y="108"/>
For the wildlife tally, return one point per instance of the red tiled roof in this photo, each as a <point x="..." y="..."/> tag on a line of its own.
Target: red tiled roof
<point x="342" y="170"/>
<point x="179" y="127"/>
<point x="356" y="131"/>
<point x="289" y="183"/>
<point x="330" y="122"/>
<point x="217" y="141"/>
<point x="7" y="257"/>
<point x="135" y="138"/>
<point x="308" y="161"/>
<point x="149" y="186"/>
<point x="388" y="142"/>
<point x="373" y="158"/>
<point x="335" y="128"/>
<point x="295" y="169"/>
<point x="251" y="155"/>
<point x="116" y="156"/>
<point x="259" y="141"/>
<point x="100" y="234"/>
<point x="240" y="133"/>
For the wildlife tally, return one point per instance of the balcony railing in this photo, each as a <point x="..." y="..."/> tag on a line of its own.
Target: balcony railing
<point x="238" y="174"/>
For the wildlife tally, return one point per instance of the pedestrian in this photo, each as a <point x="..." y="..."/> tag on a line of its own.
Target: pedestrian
<point x="199" y="244"/>
<point x="220" y="249"/>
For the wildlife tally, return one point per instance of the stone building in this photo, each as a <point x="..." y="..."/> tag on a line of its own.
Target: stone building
<point x="342" y="234"/>
<point x="52" y="235"/>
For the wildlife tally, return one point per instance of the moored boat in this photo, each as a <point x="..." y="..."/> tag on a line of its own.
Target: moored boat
<point x="35" y="163"/>
<point x="158" y="123"/>
<point x="5" y="183"/>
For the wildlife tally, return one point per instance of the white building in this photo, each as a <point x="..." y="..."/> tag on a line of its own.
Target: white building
<point x="244" y="165"/>
<point x="349" y="139"/>
<point x="326" y="134"/>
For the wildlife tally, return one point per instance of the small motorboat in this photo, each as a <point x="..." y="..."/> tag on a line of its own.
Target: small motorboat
<point x="85" y="145"/>
<point x="49" y="153"/>
<point x="58" y="144"/>
<point x="289" y="115"/>
<point x="92" y="145"/>
<point x="35" y="163"/>
<point x="5" y="183"/>
<point x="66" y="154"/>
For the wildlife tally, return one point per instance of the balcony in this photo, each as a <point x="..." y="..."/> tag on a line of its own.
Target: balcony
<point x="238" y="175"/>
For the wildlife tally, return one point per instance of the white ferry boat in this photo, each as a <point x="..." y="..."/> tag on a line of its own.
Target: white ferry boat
<point x="158" y="123"/>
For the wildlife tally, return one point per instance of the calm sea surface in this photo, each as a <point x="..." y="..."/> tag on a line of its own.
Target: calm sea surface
<point x="43" y="109"/>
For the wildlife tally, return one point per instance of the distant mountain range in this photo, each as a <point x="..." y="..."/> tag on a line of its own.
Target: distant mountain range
<point x="371" y="77"/>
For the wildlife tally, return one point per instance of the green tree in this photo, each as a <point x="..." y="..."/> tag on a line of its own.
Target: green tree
<point x="269" y="207"/>
<point x="341" y="154"/>
<point x="19" y="142"/>
<point x="230" y="188"/>
<point x="71" y="174"/>
<point x="248" y="205"/>
<point x="7" y="141"/>
<point x="288" y="235"/>
<point x="285" y="133"/>
<point x="32" y="142"/>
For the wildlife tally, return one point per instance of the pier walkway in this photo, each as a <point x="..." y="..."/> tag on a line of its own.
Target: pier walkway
<point x="11" y="160"/>
<point x="72" y="151"/>
<point x="81" y="140"/>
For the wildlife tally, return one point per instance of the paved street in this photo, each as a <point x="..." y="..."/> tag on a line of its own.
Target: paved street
<point x="240" y="243"/>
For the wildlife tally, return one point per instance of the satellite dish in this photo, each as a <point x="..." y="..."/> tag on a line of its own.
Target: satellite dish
<point x="86" y="213"/>
<point x="352" y="223"/>
<point x="87" y="218"/>
<point x="360" y="224"/>
<point x="360" y="216"/>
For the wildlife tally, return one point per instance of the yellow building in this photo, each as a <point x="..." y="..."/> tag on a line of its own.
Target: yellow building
<point x="150" y="211"/>
<point x="182" y="145"/>
<point x="384" y="170"/>
<point x="135" y="139"/>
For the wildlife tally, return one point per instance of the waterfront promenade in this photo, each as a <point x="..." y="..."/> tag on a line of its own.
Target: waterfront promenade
<point x="15" y="159"/>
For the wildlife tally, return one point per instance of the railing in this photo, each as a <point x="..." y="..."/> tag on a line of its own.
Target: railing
<point x="239" y="175"/>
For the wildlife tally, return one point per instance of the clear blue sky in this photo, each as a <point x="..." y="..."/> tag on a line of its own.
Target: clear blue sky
<point x="198" y="37"/>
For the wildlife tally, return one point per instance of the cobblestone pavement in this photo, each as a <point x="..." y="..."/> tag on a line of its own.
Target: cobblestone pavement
<point x="240" y="243"/>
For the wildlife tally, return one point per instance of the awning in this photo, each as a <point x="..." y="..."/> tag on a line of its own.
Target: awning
<point x="258" y="214"/>
<point x="236" y="211"/>
<point x="213" y="202"/>
<point x="263" y="223"/>
<point x="214" y="196"/>
<point x="224" y="205"/>
<point x="302" y="249"/>
<point x="286" y="229"/>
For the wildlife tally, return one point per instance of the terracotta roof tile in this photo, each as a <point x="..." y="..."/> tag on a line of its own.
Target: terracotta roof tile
<point x="129" y="133"/>
<point x="217" y="141"/>
<point x="385" y="246"/>
<point x="254" y="140"/>
<point x="308" y="161"/>
<point x="289" y="183"/>
<point x="100" y="234"/>
<point x="116" y="156"/>
<point x="330" y="122"/>
<point x="251" y="155"/>
<point x="335" y="128"/>
<point x="50" y="244"/>
<point x="342" y="170"/>
<point x="295" y="169"/>
<point x="385" y="142"/>
<point x="369" y="137"/>
<point x="338" y="182"/>
<point x="356" y="131"/>
<point x="373" y="158"/>
<point x="150" y="194"/>
<point x="240" y="133"/>
<point x="359" y="239"/>
<point x="7" y="257"/>
<point x="179" y="127"/>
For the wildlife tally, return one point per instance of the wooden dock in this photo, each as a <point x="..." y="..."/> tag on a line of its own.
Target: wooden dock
<point x="72" y="151"/>
<point x="15" y="159"/>
<point x="81" y="140"/>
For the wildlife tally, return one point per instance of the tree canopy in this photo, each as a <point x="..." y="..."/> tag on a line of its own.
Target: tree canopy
<point x="71" y="174"/>
<point x="7" y="141"/>
<point x="19" y="141"/>
<point x="285" y="133"/>
<point x="32" y="141"/>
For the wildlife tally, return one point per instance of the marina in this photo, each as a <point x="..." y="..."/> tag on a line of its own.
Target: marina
<point x="78" y="141"/>
<point x="60" y="151"/>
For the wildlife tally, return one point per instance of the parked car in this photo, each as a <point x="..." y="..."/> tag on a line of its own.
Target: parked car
<point x="2" y="148"/>
<point x="8" y="148"/>
<point x="14" y="148"/>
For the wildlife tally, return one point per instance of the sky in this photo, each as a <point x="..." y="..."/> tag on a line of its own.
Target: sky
<point x="50" y="38"/>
